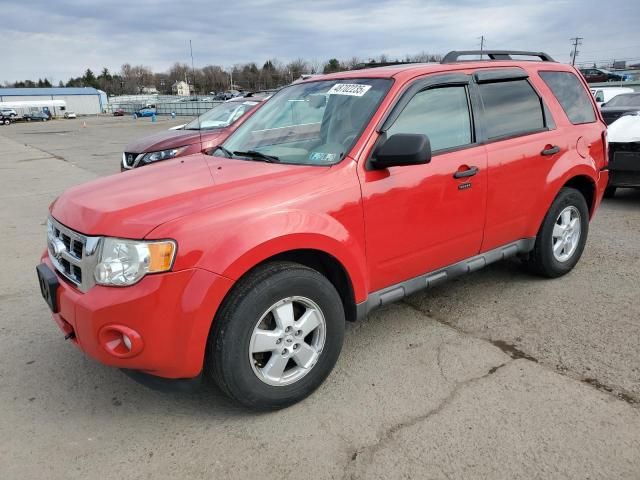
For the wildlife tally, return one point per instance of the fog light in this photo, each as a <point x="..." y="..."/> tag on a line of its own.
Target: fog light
<point x="120" y="341"/>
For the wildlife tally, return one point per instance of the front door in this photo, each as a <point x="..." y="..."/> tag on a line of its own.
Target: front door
<point x="423" y="217"/>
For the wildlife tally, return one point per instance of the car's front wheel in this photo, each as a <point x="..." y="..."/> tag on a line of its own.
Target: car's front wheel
<point x="277" y="336"/>
<point x="562" y="236"/>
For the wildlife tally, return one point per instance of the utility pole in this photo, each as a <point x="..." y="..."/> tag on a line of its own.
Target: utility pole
<point x="481" y="45"/>
<point x="576" y="42"/>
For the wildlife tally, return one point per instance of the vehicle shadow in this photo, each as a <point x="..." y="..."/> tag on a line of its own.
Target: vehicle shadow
<point x="626" y="197"/>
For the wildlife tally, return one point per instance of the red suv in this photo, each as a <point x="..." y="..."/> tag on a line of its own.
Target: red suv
<point x="341" y="194"/>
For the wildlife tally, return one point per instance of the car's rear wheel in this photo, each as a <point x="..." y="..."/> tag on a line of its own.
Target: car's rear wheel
<point x="562" y="236"/>
<point x="28" y="119"/>
<point x="277" y="336"/>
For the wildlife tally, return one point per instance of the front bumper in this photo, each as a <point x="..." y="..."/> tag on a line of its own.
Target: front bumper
<point x="171" y="312"/>
<point x="624" y="165"/>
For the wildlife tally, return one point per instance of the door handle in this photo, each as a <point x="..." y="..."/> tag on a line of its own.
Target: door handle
<point x="552" y="150"/>
<point x="470" y="172"/>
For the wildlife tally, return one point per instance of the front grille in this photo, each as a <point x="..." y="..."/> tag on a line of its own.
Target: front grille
<point x="72" y="254"/>
<point x="610" y="117"/>
<point x="75" y="246"/>
<point x="129" y="158"/>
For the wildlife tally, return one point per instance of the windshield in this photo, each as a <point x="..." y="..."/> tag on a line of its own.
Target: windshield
<point x="221" y="116"/>
<point x="625" y="100"/>
<point x="313" y="123"/>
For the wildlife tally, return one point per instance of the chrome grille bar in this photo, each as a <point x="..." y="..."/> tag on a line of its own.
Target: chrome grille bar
<point x="72" y="254"/>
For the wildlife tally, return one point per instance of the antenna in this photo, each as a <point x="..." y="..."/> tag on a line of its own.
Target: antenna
<point x="193" y="73"/>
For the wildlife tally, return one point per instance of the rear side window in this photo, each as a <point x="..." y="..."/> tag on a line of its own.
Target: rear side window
<point x="440" y="113"/>
<point x="572" y="96"/>
<point x="511" y="108"/>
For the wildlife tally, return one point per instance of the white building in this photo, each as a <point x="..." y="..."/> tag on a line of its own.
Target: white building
<point x="149" y="90"/>
<point x="81" y="100"/>
<point x="181" y="89"/>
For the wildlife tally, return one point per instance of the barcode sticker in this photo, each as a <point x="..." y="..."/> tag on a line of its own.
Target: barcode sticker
<point x="351" y="89"/>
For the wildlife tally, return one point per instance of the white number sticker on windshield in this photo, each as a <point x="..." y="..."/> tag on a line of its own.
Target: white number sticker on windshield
<point x="351" y="89"/>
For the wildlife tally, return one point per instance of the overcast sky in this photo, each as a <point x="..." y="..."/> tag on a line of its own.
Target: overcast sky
<point x="58" y="39"/>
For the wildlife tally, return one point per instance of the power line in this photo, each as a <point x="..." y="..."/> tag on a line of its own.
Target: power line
<point x="576" y="41"/>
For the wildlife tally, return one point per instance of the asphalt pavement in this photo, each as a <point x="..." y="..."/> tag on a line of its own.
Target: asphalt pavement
<point x="497" y="375"/>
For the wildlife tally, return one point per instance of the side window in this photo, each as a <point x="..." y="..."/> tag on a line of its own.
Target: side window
<point x="440" y="113"/>
<point x="511" y="108"/>
<point x="572" y="96"/>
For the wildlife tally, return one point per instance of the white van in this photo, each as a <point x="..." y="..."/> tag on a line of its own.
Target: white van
<point x="604" y="94"/>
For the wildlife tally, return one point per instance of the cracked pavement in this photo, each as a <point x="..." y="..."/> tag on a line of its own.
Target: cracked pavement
<point x="495" y="375"/>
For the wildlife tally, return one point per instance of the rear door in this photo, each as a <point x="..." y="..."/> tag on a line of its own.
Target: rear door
<point x="422" y="217"/>
<point x="523" y="144"/>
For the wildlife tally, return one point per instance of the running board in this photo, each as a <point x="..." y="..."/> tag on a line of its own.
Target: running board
<point x="431" y="279"/>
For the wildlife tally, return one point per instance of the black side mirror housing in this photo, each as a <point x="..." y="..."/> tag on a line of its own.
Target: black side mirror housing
<point x="402" y="149"/>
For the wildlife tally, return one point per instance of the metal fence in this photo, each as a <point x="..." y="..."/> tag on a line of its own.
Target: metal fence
<point x="164" y="104"/>
<point x="631" y="84"/>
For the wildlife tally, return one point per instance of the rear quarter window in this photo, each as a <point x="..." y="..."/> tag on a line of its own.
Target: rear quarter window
<point x="571" y="95"/>
<point x="511" y="108"/>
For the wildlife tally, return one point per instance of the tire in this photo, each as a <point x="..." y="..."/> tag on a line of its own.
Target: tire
<point x="543" y="260"/>
<point x="248" y="311"/>
<point x="609" y="192"/>
<point x="28" y="119"/>
<point x="6" y="121"/>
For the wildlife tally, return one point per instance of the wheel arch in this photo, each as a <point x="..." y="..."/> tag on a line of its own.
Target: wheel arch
<point x="328" y="264"/>
<point x="587" y="187"/>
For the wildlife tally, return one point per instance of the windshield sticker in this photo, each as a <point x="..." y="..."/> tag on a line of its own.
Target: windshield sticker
<point x="323" y="157"/>
<point x="350" y="89"/>
<point x="249" y="103"/>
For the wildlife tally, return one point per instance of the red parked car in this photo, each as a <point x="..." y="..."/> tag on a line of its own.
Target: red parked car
<point x="341" y="194"/>
<point x="119" y="112"/>
<point x="208" y="130"/>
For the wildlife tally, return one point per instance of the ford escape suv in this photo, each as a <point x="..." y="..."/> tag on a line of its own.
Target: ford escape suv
<point x="341" y="194"/>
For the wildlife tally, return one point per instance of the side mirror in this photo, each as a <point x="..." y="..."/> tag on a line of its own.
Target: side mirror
<point x="603" y="104"/>
<point x="402" y="149"/>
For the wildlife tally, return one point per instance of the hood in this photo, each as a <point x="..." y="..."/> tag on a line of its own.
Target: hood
<point x="172" y="139"/>
<point x="624" y="130"/>
<point x="133" y="203"/>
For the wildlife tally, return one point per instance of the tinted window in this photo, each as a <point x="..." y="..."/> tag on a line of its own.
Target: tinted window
<point x="440" y="113"/>
<point x="511" y="108"/>
<point x="572" y="96"/>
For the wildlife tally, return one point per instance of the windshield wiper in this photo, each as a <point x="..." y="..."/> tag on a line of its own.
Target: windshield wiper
<point x="256" y="155"/>
<point x="228" y="153"/>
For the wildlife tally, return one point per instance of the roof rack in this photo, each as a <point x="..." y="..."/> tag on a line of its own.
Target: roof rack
<point x="453" y="56"/>
<point x="361" y="66"/>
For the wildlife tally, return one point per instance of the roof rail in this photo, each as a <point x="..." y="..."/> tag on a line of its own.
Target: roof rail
<point x="453" y="56"/>
<point x="361" y="66"/>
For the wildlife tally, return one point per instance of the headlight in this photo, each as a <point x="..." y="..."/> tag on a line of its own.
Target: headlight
<point x="162" y="154"/>
<point x="125" y="262"/>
